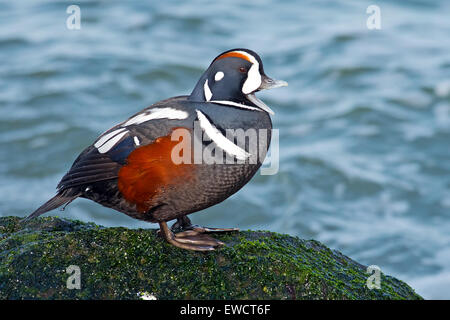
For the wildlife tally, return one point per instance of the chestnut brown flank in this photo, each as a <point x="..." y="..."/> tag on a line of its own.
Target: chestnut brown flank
<point x="149" y="171"/>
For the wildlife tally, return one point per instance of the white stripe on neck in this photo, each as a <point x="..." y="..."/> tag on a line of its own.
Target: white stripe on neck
<point x="219" y="139"/>
<point x="235" y="104"/>
<point x="207" y="91"/>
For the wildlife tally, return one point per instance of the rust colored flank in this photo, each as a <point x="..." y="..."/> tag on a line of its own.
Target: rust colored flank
<point x="150" y="171"/>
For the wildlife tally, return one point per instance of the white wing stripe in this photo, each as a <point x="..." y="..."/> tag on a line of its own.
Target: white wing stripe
<point x="110" y="143"/>
<point x="108" y="136"/>
<point x="157" y="113"/>
<point x="107" y="141"/>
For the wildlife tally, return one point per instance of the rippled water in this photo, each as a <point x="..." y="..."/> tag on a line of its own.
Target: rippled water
<point x="364" y="125"/>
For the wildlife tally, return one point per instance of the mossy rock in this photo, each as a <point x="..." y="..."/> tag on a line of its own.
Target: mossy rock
<point x="121" y="263"/>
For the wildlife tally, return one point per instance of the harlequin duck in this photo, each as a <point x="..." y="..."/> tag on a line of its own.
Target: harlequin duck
<point x="167" y="161"/>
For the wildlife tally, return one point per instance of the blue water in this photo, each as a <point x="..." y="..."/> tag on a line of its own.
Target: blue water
<point x="364" y="124"/>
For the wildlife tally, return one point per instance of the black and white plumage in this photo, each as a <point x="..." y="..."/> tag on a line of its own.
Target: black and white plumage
<point x="131" y="167"/>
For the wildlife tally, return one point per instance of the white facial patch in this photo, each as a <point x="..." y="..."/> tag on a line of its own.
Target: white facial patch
<point x="219" y="139"/>
<point x="219" y="76"/>
<point x="136" y="141"/>
<point x="207" y="91"/>
<point x="157" y="113"/>
<point x="253" y="76"/>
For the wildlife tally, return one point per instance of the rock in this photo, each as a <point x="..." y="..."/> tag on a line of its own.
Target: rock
<point x="121" y="263"/>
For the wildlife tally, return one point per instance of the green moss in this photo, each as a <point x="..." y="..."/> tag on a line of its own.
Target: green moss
<point x="119" y="263"/>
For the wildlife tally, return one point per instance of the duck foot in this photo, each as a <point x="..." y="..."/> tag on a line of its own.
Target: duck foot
<point x="190" y="239"/>
<point x="184" y="224"/>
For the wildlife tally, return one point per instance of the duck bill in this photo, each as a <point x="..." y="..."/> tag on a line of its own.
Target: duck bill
<point x="266" y="83"/>
<point x="269" y="83"/>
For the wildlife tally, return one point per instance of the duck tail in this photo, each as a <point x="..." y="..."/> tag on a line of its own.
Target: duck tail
<point x="55" y="202"/>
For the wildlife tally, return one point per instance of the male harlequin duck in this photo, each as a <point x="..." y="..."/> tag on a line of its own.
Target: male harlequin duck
<point x="139" y="168"/>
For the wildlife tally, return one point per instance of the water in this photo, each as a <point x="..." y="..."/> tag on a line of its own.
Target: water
<point x="364" y="124"/>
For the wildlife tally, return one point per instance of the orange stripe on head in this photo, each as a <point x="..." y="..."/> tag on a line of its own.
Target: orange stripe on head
<point x="234" y="54"/>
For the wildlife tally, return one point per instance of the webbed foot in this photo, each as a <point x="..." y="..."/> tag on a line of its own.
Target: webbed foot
<point x="189" y="239"/>
<point x="184" y="224"/>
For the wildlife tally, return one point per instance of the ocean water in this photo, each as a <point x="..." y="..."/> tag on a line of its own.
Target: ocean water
<point x="364" y="124"/>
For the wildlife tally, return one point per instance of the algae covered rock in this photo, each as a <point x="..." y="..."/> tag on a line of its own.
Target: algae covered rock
<point x="53" y="258"/>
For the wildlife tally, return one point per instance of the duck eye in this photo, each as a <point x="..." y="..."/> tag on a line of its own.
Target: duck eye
<point x="242" y="69"/>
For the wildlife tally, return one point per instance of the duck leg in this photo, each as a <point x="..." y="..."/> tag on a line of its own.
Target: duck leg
<point x="190" y="241"/>
<point x="184" y="225"/>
